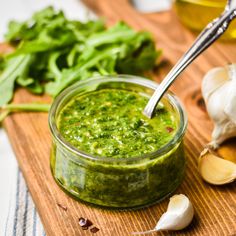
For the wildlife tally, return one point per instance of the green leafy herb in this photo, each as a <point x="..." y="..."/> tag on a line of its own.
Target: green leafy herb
<point x="15" y="68"/>
<point x="53" y="52"/>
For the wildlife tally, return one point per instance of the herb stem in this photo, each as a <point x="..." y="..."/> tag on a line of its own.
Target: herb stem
<point x="35" y="107"/>
<point x="27" y="107"/>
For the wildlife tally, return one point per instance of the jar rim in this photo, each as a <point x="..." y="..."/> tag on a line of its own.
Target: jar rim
<point x="146" y="83"/>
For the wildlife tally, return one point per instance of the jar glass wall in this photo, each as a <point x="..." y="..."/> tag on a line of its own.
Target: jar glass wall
<point x="117" y="182"/>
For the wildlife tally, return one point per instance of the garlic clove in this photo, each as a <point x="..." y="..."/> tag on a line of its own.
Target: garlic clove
<point x="213" y="80"/>
<point x="230" y="106"/>
<point x="218" y="91"/>
<point x="216" y="170"/>
<point x="179" y="215"/>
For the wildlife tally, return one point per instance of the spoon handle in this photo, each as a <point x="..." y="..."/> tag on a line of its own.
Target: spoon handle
<point x="209" y="35"/>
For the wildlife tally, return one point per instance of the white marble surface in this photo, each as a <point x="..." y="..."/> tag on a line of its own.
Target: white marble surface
<point x="150" y="6"/>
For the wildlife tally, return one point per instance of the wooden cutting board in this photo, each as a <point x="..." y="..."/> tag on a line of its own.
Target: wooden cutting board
<point x="215" y="207"/>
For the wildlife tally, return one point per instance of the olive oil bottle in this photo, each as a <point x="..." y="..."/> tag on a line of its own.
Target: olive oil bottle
<point x="196" y="14"/>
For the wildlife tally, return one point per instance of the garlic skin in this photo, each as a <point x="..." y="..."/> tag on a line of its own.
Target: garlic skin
<point x="216" y="170"/>
<point x="178" y="216"/>
<point x="219" y="93"/>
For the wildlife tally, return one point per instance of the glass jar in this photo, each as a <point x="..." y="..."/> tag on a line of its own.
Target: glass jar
<point x="117" y="182"/>
<point x="196" y="14"/>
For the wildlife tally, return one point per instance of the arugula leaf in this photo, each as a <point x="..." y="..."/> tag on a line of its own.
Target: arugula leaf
<point x="14" y="69"/>
<point x="53" y="52"/>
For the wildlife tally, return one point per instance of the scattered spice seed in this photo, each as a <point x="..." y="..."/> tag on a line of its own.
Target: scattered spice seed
<point x="201" y="104"/>
<point x="85" y="223"/>
<point x="62" y="207"/>
<point x="169" y="129"/>
<point x="94" y="230"/>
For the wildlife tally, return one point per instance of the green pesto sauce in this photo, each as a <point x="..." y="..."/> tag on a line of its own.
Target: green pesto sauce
<point x="110" y="123"/>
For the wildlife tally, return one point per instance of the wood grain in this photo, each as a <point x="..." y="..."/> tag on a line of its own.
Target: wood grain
<point x="29" y="134"/>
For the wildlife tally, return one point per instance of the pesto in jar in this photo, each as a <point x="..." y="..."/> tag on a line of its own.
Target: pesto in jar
<point x="106" y="152"/>
<point x="110" y="123"/>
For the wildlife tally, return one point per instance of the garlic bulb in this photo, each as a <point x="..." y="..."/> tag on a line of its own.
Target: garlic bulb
<point x="219" y="93"/>
<point x="216" y="170"/>
<point x="179" y="215"/>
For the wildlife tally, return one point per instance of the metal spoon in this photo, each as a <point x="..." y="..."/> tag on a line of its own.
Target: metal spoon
<point x="209" y="35"/>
